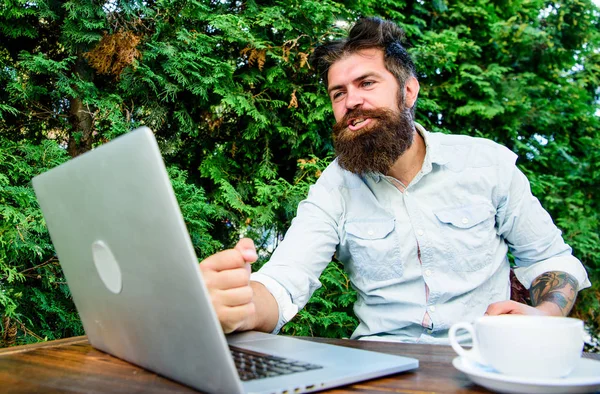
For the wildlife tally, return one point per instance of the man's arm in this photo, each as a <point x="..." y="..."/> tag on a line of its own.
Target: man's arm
<point x="545" y="263"/>
<point x="266" y="312"/>
<point x="240" y="304"/>
<point x="552" y="294"/>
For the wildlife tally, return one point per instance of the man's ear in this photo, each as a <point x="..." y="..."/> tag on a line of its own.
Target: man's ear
<point x="411" y="91"/>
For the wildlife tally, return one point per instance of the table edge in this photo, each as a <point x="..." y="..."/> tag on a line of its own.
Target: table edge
<point x="45" y="344"/>
<point x="84" y="340"/>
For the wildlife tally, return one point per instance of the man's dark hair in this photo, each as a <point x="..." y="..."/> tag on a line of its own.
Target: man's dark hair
<point x="368" y="33"/>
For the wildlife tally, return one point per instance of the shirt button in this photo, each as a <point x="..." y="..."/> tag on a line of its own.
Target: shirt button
<point x="370" y="232"/>
<point x="420" y="232"/>
<point x="432" y="308"/>
<point x="465" y="220"/>
<point x="406" y="193"/>
<point x="427" y="272"/>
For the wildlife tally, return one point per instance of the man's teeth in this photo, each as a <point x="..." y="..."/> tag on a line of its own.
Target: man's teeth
<point x="357" y="121"/>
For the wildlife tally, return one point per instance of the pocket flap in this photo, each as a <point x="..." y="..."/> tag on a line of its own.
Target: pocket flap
<point x="466" y="216"/>
<point x="370" y="228"/>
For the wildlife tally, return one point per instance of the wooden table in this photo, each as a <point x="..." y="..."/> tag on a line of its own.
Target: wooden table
<point x="72" y="365"/>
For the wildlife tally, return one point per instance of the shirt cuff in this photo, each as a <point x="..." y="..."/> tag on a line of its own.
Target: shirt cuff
<point x="287" y="309"/>
<point x="568" y="264"/>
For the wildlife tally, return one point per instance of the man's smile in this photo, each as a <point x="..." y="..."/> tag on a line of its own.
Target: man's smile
<point x="358" y="123"/>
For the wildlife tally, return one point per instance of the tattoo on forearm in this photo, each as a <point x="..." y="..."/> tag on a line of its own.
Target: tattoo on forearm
<point x="557" y="287"/>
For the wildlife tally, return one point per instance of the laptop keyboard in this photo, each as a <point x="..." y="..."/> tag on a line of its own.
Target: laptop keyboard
<point x="253" y="365"/>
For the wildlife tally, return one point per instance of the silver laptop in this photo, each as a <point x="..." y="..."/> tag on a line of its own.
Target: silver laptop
<point x="135" y="280"/>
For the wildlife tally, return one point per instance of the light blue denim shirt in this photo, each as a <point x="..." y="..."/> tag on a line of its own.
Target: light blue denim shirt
<point x="448" y="232"/>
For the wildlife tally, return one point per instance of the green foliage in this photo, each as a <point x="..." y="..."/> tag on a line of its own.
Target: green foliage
<point x="196" y="211"/>
<point x="34" y="297"/>
<point x="329" y="312"/>
<point x="244" y="122"/>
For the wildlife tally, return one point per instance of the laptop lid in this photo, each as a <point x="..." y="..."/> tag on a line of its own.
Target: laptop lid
<point x="135" y="280"/>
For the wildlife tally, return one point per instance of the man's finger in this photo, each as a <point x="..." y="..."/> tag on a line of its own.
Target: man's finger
<point x="234" y="297"/>
<point x="224" y="260"/>
<point x="503" y="308"/>
<point x="233" y="318"/>
<point x="230" y="279"/>
<point x="246" y="247"/>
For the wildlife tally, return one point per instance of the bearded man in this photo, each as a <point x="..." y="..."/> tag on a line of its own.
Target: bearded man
<point x="421" y="221"/>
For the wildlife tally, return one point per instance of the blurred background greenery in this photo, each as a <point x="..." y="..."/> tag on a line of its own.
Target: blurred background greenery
<point x="244" y="122"/>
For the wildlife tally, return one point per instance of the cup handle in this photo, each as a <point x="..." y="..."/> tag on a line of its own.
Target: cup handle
<point x="473" y="354"/>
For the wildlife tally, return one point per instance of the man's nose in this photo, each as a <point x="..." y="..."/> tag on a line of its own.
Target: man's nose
<point x="354" y="99"/>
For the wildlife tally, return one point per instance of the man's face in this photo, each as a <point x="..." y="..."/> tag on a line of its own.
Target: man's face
<point x="361" y="80"/>
<point x="371" y="131"/>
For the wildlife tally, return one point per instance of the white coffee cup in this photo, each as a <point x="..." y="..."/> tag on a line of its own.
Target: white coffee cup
<point x="525" y="346"/>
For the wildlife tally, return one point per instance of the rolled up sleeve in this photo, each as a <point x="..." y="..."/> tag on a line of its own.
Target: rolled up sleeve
<point x="568" y="264"/>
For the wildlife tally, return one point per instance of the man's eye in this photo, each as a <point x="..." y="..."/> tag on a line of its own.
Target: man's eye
<point x="366" y="84"/>
<point x="336" y="95"/>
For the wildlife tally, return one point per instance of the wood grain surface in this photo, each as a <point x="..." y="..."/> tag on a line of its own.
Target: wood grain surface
<point x="73" y="366"/>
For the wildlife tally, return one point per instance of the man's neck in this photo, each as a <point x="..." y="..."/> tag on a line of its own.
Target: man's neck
<point x="409" y="164"/>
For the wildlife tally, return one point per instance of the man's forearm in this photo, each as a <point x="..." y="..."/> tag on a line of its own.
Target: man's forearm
<point x="266" y="315"/>
<point x="554" y="292"/>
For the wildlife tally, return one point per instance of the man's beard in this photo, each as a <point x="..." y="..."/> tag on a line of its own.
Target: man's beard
<point x="376" y="147"/>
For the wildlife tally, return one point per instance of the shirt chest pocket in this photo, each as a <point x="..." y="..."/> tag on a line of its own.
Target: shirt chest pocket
<point x="374" y="249"/>
<point x="469" y="232"/>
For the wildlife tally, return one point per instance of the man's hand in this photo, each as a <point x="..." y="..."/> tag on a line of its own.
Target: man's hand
<point x="513" y="308"/>
<point x="227" y="277"/>
<point x="552" y="294"/>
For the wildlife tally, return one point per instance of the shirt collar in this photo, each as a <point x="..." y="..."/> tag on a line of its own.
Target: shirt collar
<point x="434" y="154"/>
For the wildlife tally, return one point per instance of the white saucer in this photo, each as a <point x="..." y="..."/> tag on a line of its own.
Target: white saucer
<point x="584" y="379"/>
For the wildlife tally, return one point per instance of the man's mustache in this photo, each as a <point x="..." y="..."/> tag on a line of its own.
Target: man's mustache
<point x="359" y="113"/>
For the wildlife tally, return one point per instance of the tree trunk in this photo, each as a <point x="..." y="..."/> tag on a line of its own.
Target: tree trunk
<point x="80" y="115"/>
<point x="80" y="138"/>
